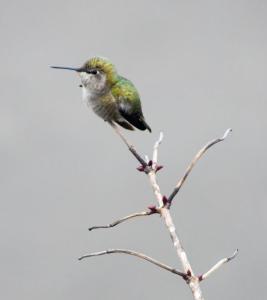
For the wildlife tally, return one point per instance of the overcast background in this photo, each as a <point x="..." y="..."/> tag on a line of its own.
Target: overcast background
<point x="200" y="67"/>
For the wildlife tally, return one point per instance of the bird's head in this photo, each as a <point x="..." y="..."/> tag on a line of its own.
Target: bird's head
<point x="97" y="74"/>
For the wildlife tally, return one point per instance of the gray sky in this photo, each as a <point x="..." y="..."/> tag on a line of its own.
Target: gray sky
<point x="200" y="67"/>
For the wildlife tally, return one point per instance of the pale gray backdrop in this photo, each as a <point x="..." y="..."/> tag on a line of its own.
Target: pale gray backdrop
<point x="200" y="67"/>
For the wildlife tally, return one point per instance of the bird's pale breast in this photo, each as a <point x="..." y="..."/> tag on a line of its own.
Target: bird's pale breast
<point x="103" y="105"/>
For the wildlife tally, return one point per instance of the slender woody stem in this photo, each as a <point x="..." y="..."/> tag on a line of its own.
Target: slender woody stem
<point x="217" y="266"/>
<point x="155" y="151"/>
<point x="193" y="162"/>
<point x="119" y="221"/>
<point x="139" y="255"/>
<point x="164" y="209"/>
<point x="130" y="147"/>
<point x="192" y="281"/>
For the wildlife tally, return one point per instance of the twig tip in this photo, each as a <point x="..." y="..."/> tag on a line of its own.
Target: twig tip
<point x="234" y="255"/>
<point x="153" y="209"/>
<point x="227" y="132"/>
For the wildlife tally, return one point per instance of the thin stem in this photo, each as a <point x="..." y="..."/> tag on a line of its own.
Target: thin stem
<point x="155" y="151"/>
<point x="193" y="162"/>
<point x="192" y="281"/>
<point x="119" y="221"/>
<point x="139" y="255"/>
<point x="130" y="147"/>
<point x="217" y="266"/>
<point x="152" y="173"/>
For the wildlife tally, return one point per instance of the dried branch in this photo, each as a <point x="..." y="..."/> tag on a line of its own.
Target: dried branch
<point x="192" y="280"/>
<point x="139" y="255"/>
<point x="119" y="221"/>
<point x="193" y="162"/>
<point x="151" y="168"/>
<point x="155" y="151"/>
<point x="217" y="266"/>
<point x="130" y="147"/>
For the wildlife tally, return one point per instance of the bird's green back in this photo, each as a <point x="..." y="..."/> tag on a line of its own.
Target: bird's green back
<point x="125" y="92"/>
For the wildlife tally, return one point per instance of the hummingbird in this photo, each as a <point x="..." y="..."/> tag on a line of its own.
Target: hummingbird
<point x="111" y="96"/>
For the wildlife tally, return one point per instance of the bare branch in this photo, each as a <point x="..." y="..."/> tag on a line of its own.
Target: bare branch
<point x="130" y="147"/>
<point x="152" y="172"/>
<point x="193" y="162"/>
<point x="217" y="266"/>
<point x="192" y="280"/>
<point x="150" y="168"/>
<point x="139" y="255"/>
<point x="156" y="188"/>
<point x="155" y="151"/>
<point x="119" y="221"/>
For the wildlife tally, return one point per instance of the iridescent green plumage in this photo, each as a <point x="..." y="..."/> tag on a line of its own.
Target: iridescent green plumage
<point x="111" y="96"/>
<point x="120" y="101"/>
<point x="129" y="104"/>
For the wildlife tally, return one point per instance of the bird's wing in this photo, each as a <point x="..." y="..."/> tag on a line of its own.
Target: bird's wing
<point x="129" y="104"/>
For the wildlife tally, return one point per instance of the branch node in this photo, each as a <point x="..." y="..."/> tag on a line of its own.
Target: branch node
<point x="186" y="278"/>
<point x="141" y="168"/>
<point x="166" y="202"/>
<point x="158" y="168"/>
<point x="153" y="209"/>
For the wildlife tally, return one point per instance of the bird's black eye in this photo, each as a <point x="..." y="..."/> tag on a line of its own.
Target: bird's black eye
<point x="93" y="71"/>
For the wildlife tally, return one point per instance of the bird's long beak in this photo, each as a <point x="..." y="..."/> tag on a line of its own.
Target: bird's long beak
<point x="67" y="68"/>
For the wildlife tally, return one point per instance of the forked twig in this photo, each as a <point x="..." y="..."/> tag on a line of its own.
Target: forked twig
<point x="217" y="266"/>
<point x="192" y="280"/>
<point x="164" y="204"/>
<point x="139" y="255"/>
<point x="119" y="221"/>
<point x="193" y="162"/>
